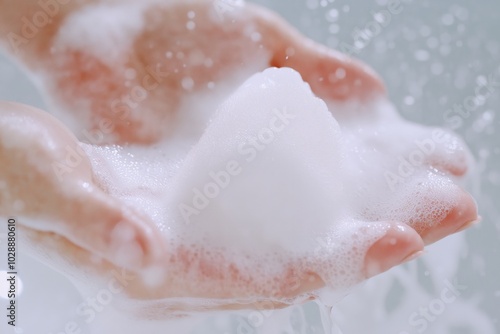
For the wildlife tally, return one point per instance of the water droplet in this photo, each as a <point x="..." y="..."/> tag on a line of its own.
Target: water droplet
<point x="332" y="15"/>
<point x="340" y="73"/>
<point x="488" y="116"/>
<point x="187" y="83"/>
<point x="190" y="25"/>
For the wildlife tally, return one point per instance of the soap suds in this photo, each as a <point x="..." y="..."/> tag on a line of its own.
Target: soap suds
<point x="274" y="182"/>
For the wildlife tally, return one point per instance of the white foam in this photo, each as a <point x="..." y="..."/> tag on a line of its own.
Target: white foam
<point x="271" y="148"/>
<point x="274" y="182"/>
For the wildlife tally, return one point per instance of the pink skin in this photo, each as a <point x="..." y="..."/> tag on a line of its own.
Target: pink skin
<point x="75" y="217"/>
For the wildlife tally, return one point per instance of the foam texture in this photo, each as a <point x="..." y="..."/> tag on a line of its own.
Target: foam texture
<point x="273" y="182"/>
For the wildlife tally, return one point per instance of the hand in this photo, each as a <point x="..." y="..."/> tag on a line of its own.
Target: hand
<point x="138" y="78"/>
<point x="71" y="74"/>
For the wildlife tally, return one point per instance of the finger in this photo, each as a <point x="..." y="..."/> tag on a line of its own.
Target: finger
<point x="445" y="151"/>
<point x="460" y="216"/>
<point x="400" y="244"/>
<point x="331" y="74"/>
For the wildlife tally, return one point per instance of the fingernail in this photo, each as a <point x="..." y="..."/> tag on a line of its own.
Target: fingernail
<point x="400" y="244"/>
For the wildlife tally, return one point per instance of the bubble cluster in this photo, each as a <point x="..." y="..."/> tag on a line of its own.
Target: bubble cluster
<point x="275" y="193"/>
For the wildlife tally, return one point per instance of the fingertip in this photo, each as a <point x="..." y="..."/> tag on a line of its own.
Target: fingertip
<point x="460" y="217"/>
<point x="364" y="83"/>
<point x="470" y="224"/>
<point x="332" y="74"/>
<point x="400" y="244"/>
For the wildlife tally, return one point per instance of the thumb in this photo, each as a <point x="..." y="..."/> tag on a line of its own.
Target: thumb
<point x="103" y="225"/>
<point x="68" y="204"/>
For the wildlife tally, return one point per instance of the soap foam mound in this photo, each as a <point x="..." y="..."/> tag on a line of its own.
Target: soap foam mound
<point x="274" y="187"/>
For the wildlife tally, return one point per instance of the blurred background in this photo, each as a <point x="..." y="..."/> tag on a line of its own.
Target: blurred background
<point x="441" y="64"/>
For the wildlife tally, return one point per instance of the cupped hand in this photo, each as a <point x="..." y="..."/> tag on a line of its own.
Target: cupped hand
<point x="185" y="49"/>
